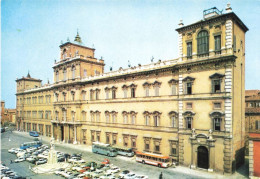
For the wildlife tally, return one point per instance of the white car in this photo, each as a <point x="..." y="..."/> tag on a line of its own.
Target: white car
<point x="113" y="169"/>
<point x="20" y="154"/>
<point x="41" y="161"/>
<point x="108" y="176"/>
<point x="18" y="150"/>
<point x="20" y="159"/>
<point x="12" y="150"/>
<point x="43" y="155"/>
<point x="76" y="168"/>
<point x="76" y="160"/>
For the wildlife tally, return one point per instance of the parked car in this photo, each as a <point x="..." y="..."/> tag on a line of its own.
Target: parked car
<point x="12" y="150"/>
<point x="106" y="161"/>
<point x="61" y="159"/>
<point x="129" y="176"/>
<point x="113" y="169"/>
<point x="2" y="130"/>
<point x="20" y="159"/>
<point x="18" y="150"/>
<point x="108" y="176"/>
<point x="141" y="177"/>
<point x="97" y="173"/>
<point x="41" y="161"/>
<point x="34" y="133"/>
<point x="76" y="160"/>
<point x="124" y="173"/>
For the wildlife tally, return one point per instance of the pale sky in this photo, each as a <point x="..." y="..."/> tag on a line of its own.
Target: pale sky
<point x="136" y="30"/>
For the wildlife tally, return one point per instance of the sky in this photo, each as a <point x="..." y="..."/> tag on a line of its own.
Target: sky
<point x="120" y="31"/>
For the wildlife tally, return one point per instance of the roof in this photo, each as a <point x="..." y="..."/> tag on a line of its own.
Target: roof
<point x="253" y="110"/>
<point x="152" y="155"/>
<point x="77" y="44"/>
<point x="213" y="19"/>
<point x="251" y="92"/>
<point x="28" y="79"/>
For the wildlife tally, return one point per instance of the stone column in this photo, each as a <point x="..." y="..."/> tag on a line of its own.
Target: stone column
<point x="211" y="158"/>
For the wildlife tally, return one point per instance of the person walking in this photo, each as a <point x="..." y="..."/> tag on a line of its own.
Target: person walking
<point x="11" y="161"/>
<point x="161" y="176"/>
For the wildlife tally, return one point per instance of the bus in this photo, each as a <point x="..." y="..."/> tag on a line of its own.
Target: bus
<point x="30" y="144"/>
<point x="104" y="149"/>
<point x="125" y="151"/>
<point x="153" y="159"/>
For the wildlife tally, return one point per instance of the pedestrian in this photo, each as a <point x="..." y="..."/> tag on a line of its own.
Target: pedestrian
<point x="11" y="161"/>
<point x="161" y="176"/>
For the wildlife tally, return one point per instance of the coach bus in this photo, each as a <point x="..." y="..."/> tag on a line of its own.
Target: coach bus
<point x="104" y="149"/>
<point x="30" y="144"/>
<point x="125" y="151"/>
<point x="153" y="159"/>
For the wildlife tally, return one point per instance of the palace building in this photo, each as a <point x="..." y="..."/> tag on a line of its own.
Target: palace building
<point x="191" y="108"/>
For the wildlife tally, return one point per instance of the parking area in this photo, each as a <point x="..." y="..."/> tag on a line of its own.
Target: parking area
<point x="13" y="140"/>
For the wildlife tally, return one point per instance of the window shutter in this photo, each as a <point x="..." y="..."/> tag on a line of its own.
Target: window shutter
<point x="234" y="43"/>
<point x="256" y="124"/>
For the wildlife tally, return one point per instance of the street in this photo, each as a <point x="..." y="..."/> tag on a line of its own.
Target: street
<point x="13" y="140"/>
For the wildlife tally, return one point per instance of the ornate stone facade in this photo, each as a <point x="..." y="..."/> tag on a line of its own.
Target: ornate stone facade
<point x="184" y="108"/>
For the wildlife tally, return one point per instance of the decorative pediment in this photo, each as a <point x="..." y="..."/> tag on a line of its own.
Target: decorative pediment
<point x="132" y="85"/>
<point x="133" y="113"/>
<point x="146" y="84"/>
<point x="124" y="112"/>
<point x="216" y="75"/>
<point x="217" y="114"/>
<point x="114" y="112"/>
<point x="173" y="113"/>
<point x="188" y="113"/>
<point x="114" y="88"/>
<point x="188" y="78"/>
<point x="157" y="113"/>
<point x="106" y="88"/>
<point x="124" y="86"/>
<point x="146" y="113"/>
<point x="157" y="83"/>
<point x="173" y="81"/>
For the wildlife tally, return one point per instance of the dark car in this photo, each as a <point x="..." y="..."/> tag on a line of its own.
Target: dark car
<point x="34" y="133"/>
<point x="61" y="159"/>
<point x="2" y="130"/>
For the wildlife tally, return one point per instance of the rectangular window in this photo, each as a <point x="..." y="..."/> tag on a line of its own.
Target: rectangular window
<point x="189" y="50"/>
<point x="133" y="119"/>
<point x="107" y="139"/>
<point x="147" y="145"/>
<point x="156" y="121"/>
<point x="157" y="147"/>
<point x="173" y="121"/>
<point x="173" y="90"/>
<point x="92" y="136"/>
<point x="107" y="118"/>
<point x="125" y="93"/>
<point x="125" y="119"/>
<point x="97" y="95"/>
<point x="257" y="124"/>
<point x="217" y="43"/>
<point x="188" y="122"/>
<point x="114" y="118"/>
<point x="234" y="43"/>
<point x="97" y="117"/>
<point x="83" y="95"/>
<point x="84" y="116"/>
<point x="147" y="119"/>
<point x="132" y="92"/>
<point x="107" y="94"/>
<point x="91" y="95"/>
<point x="92" y="117"/>
<point x="216" y="86"/>
<point x="114" y="94"/>
<point x="188" y="88"/>
<point x="217" y="105"/>
<point x="147" y="91"/>
<point x="125" y="141"/>
<point x="217" y="124"/>
<point x="133" y="142"/>
<point x="173" y="151"/>
<point x="114" y="139"/>
<point x="156" y="90"/>
<point x="189" y="106"/>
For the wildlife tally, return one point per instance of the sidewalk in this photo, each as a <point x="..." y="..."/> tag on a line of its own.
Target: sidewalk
<point x="178" y="169"/>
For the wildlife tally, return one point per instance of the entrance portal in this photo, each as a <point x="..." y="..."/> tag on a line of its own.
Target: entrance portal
<point x="203" y="157"/>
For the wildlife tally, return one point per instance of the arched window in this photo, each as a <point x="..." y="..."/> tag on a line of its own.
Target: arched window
<point x="203" y="42"/>
<point x="73" y="70"/>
